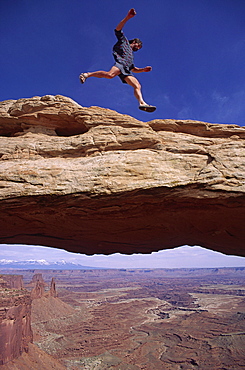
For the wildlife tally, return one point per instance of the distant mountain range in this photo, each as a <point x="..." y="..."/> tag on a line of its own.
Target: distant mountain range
<point x="41" y="264"/>
<point x="63" y="265"/>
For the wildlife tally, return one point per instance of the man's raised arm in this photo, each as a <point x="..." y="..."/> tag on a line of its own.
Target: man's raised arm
<point x="131" y="14"/>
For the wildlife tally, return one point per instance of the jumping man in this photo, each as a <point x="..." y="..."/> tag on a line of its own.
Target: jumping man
<point x="124" y="63"/>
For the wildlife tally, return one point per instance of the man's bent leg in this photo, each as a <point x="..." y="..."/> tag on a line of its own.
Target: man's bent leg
<point x="113" y="72"/>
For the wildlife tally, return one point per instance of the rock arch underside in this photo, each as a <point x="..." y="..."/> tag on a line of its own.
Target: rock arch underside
<point x="91" y="180"/>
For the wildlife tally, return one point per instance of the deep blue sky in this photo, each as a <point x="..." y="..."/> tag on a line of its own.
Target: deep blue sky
<point x="196" y="49"/>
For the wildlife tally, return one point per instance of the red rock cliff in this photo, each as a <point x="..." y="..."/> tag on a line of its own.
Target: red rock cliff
<point x="13" y="281"/>
<point x="15" y="319"/>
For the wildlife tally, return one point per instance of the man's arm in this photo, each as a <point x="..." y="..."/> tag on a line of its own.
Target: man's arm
<point x="131" y="14"/>
<point x="139" y="70"/>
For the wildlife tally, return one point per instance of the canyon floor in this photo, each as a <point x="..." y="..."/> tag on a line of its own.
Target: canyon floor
<point x="143" y="319"/>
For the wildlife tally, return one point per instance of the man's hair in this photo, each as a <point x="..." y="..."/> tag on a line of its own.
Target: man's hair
<point x="136" y="40"/>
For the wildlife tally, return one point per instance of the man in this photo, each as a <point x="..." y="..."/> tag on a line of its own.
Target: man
<point x="124" y="66"/>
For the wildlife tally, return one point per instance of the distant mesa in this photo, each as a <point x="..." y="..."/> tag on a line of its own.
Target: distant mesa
<point x="91" y="180"/>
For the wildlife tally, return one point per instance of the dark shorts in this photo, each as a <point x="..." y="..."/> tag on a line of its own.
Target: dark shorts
<point x="125" y="71"/>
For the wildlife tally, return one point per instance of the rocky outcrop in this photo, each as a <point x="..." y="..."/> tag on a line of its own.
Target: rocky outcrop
<point x="16" y="312"/>
<point x="91" y="180"/>
<point x="38" y="287"/>
<point x="13" y="281"/>
<point x="38" y="290"/>
<point x="52" y="291"/>
<point x="15" y="321"/>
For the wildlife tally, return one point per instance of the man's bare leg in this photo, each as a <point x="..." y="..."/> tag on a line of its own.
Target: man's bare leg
<point x="132" y="81"/>
<point x="113" y="72"/>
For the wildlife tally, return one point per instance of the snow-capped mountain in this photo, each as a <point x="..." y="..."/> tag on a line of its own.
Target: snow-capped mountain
<point x="41" y="264"/>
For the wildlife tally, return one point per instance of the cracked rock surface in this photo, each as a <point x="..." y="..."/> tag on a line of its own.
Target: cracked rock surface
<point x="91" y="180"/>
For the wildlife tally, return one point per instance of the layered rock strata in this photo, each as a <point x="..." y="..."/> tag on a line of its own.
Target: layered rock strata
<point x="91" y="180"/>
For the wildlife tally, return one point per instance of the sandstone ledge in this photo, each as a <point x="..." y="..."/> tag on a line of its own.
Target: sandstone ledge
<point x="91" y="180"/>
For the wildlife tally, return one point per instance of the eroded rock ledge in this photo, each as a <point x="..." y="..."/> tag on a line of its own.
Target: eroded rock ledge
<point x="91" y="180"/>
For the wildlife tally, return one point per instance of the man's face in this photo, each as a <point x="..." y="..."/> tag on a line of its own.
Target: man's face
<point x="135" y="46"/>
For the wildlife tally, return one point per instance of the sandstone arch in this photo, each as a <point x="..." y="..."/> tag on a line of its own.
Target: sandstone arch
<point x="91" y="180"/>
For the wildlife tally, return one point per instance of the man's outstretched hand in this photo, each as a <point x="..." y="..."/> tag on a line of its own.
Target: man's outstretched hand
<point x="131" y="13"/>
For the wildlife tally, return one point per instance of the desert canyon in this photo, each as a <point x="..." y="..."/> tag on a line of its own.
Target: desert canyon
<point x="127" y="319"/>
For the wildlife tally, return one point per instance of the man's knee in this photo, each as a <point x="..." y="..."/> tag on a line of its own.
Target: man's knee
<point x="114" y="71"/>
<point x="132" y="81"/>
<point x="136" y="85"/>
<point x="111" y="75"/>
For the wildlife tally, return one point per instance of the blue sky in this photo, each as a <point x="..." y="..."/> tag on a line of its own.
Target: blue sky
<point x="196" y="49"/>
<point x="181" y="257"/>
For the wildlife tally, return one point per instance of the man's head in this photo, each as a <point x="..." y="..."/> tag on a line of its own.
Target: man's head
<point x="135" y="44"/>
